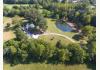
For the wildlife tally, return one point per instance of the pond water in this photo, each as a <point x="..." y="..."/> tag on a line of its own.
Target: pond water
<point x="64" y="27"/>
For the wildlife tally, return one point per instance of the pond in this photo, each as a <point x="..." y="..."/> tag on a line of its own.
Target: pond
<point x="64" y="27"/>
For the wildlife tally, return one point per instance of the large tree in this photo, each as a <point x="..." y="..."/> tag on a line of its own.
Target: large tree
<point x="20" y="35"/>
<point x="36" y="18"/>
<point x="88" y="31"/>
<point x="77" y="53"/>
<point x="91" y="50"/>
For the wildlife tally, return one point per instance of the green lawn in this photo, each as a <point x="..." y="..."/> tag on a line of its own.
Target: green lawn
<point x="7" y="20"/>
<point x="52" y="28"/>
<point x="52" y="39"/>
<point x="43" y="66"/>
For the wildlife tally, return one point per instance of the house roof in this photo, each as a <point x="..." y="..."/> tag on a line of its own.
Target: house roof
<point x="30" y="26"/>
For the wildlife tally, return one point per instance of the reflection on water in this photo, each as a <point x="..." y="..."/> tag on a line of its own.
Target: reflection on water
<point x="64" y="27"/>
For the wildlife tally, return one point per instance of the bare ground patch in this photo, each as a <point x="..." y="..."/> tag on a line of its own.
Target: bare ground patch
<point x="8" y="35"/>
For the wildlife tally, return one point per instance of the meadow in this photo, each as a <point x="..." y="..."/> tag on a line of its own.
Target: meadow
<point x="43" y="66"/>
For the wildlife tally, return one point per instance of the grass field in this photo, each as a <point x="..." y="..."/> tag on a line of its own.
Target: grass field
<point x="8" y="35"/>
<point x="52" y="28"/>
<point x="52" y="39"/>
<point x="7" y="20"/>
<point x="42" y="66"/>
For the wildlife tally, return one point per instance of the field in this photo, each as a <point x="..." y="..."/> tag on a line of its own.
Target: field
<point x="52" y="39"/>
<point x="7" y="20"/>
<point x="52" y="28"/>
<point x="42" y="66"/>
<point x="8" y="35"/>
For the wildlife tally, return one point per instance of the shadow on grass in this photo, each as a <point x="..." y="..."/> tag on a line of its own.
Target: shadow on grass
<point x="91" y="66"/>
<point x="76" y="37"/>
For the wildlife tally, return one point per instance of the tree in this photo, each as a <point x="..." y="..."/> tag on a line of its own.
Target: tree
<point x="77" y="53"/>
<point x="16" y="20"/>
<point x="48" y="52"/>
<point x="20" y="35"/>
<point x="9" y="1"/>
<point x="39" y="49"/>
<point x="8" y="25"/>
<point x="12" y="55"/>
<point x="93" y="21"/>
<point x="46" y="13"/>
<point x="13" y="50"/>
<point x="15" y="7"/>
<point x="14" y="12"/>
<point x="87" y="19"/>
<point x="77" y="14"/>
<point x="58" y="44"/>
<point x="91" y="51"/>
<point x="88" y="31"/>
<point x="6" y="11"/>
<point x="23" y="51"/>
<point x="36" y="18"/>
<point x="17" y="1"/>
<point x="63" y="55"/>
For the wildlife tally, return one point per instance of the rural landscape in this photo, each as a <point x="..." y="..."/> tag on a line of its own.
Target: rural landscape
<point x="49" y="35"/>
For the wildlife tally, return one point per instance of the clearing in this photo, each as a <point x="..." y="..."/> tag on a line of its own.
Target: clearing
<point x="8" y="35"/>
<point x="52" y="28"/>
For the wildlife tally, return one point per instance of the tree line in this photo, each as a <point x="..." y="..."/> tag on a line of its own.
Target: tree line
<point x="25" y="50"/>
<point x="81" y="14"/>
<point x="39" y="1"/>
<point x="28" y="1"/>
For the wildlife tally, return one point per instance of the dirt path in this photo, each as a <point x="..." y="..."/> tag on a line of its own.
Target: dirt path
<point x="59" y="35"/>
